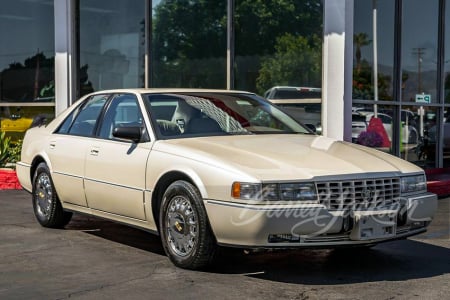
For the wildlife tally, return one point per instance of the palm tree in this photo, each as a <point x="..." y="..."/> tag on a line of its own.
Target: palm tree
<point x="360" y="40"/>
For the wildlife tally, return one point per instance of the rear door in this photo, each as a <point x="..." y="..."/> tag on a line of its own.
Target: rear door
<point x="67" y="150"/>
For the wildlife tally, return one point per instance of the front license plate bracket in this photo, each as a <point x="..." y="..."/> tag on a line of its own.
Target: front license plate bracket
<point x="372" y="225"/>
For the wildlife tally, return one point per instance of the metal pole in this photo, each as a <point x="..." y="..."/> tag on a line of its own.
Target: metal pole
<point x="230" y="44"/>
<point x="375" y="59"/>
<point x="147" y="38"/>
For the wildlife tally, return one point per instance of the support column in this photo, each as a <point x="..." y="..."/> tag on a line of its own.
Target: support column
<point x="65" y="54"/>
<point x="337" y="69"/>
<point x="230" y="44"/>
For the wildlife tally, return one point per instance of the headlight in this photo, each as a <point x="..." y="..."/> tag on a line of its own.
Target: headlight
<point x="411" y="184"/>
<point x="246" y="191"/>
<point x="275" y="191"/>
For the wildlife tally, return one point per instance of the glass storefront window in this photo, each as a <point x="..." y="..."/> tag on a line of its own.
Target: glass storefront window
<point x="189" y="44"/>
<point x="27" y="66"/>
<point x="419" y="50"/>
<point x="27" y="51"/>
<point x="419" y="124"/>
<point x="368" y="13"/>
<point x="278" y="54"/>
<point x="278" y="44"/>
<point x="447" y="54"/>
<point x="446" y="146"/>
<point x="112" y="44"/>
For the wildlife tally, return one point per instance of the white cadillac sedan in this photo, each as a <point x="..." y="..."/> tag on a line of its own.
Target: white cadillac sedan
<point x="203" y="168"/>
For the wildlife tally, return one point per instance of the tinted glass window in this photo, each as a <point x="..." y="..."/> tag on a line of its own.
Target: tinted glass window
<point x="85" y="121"/>
<point x="370" y="51"/>
<point x="27" y="51"/>
<point x="419" y="50"/>
<point x="278" y="43"/>
<point x="189" y="44"/>
<point x="447" y="65"/>
<point x="27" y="65"/>
<point x="112" y="39"/>
<point x="65" y="126"/>
<point x="123" y="111"/>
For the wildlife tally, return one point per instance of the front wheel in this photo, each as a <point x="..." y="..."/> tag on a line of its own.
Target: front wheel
<point x="185" y="232"/>
<point x="46" y="205"/>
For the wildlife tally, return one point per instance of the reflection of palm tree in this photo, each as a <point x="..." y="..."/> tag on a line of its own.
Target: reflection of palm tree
<point x="360" y="40"/>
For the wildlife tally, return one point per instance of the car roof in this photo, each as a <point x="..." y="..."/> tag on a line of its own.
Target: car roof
<point x="281" y="87"/>
<point x="169" y="90"/>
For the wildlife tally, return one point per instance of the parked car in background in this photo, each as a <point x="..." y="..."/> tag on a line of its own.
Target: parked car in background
<point x="361" y="120"/>
<point x="304" y="104"/>
<point x="203" y="168"/>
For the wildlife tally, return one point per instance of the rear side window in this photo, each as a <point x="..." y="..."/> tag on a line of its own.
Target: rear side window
<point x="82" y="121"/>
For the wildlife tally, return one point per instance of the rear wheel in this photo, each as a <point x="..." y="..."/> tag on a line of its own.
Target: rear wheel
<point x="46" y="205"/>
<point x="185" y="232"/>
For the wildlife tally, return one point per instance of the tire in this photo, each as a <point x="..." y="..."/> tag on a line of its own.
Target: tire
<point x="186" y="235"/>
<point x="46" y="205"/>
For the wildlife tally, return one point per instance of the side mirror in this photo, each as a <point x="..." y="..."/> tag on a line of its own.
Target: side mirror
<point x="131" y="133"/>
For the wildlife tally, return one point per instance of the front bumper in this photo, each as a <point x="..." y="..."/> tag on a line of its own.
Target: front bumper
<point x="287" y="226"/>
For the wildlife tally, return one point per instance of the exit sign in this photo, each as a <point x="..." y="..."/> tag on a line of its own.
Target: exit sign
<point x="424" y="98"/>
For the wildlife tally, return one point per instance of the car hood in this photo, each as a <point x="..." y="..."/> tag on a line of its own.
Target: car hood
<point x="285" y="157"/>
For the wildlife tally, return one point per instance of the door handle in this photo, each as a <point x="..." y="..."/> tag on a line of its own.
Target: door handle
<point x="52" y="145"/>
<point x="94" y="152"/>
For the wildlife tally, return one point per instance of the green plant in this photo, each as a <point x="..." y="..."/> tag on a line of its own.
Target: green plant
<point x="5" y="143"/>
<point x="15" y="150"/>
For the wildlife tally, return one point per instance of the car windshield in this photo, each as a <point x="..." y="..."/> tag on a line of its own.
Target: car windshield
<point x="179" y="115"/>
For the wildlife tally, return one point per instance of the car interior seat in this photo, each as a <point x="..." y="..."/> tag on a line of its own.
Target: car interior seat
<point x="202" y="125"/>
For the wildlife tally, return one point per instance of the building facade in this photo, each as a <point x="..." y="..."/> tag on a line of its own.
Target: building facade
<point x="370" y="57"/>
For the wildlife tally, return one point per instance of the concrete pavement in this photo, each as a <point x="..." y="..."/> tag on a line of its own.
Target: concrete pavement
<point x="98" y="259"/>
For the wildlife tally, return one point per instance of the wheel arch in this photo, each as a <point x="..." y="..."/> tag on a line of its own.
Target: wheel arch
<point x="161" y="186"/>
<point x="35" y="163"/>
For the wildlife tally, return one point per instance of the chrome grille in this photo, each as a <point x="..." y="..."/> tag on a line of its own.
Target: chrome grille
<point x="359" y="194"/>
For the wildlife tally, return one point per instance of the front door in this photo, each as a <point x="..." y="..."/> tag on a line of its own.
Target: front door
<point x="115" y="169"/>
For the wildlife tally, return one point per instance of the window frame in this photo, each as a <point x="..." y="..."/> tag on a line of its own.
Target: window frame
<point x="107" y="107"/>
